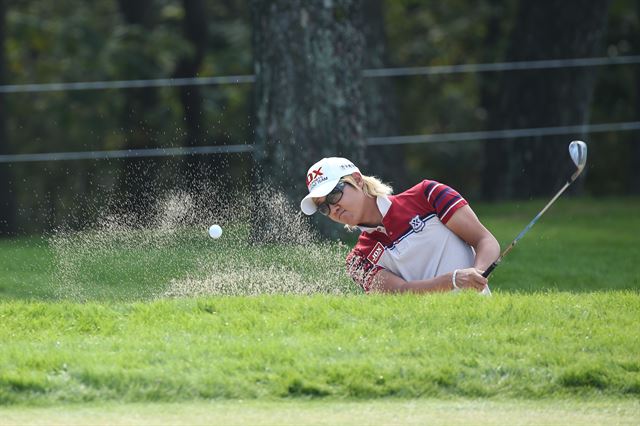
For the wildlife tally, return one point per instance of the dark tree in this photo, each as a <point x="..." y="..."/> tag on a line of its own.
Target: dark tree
<point x="195" y="31"/>
<point x="8" y="224"/>
<point x="308" y="60"/>
<point x="138" y="181"/>
<point x="380" y="101"/>
<point x="635" y="154"/>
<point x="492" y="51"/>
<point x="546" y="29"/>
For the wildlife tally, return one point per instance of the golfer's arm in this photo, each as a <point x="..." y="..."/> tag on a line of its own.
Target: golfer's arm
<point x="487" y="251"/>
<point x="465" y="224"/>
<point x="388" y="282"/>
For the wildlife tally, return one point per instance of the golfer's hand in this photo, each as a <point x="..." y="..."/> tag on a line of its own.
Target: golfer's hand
<point x="471" y="278"/>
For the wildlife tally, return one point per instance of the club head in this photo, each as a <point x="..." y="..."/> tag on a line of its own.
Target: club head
<point x="578" y="153"/>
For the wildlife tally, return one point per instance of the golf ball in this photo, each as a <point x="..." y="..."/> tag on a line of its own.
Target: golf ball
<point x="215" y="231"/>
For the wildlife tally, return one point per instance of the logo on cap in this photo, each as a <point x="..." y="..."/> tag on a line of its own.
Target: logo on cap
<point x="313" y="175"/>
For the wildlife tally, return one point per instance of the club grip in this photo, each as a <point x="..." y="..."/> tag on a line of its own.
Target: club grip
<point x="489" y="270"/>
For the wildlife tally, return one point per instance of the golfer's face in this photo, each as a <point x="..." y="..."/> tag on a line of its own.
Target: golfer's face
<point x="349" y="209"/>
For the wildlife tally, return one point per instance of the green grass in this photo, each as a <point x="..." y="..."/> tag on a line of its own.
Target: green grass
<point x="26" y="269"/>
<point x="354" y="347"/>
<point x="127" y="265"/>
<point x="85" y="318"/>
<point x="578" y="245"/>
<point x="298" y="412"/>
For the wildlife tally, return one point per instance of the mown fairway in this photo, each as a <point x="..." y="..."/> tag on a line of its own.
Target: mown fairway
<point x="562" y="327"/>
<point x="297" y="412"/>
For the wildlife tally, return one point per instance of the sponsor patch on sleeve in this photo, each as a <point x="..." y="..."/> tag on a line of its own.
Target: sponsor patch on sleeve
<point x="376" y="253"/>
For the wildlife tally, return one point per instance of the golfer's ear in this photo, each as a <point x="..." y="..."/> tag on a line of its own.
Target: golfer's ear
<point x="358" y="178"/>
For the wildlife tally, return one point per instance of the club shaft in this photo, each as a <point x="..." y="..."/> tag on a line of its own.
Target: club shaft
<point x="490" y="269"/>
<point x="535" y="219"/>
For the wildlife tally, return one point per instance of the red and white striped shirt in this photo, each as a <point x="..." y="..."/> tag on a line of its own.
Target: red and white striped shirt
<point x="413" y="241"/>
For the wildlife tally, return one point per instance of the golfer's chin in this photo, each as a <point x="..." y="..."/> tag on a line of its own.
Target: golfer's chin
<point x="345" y="218"/>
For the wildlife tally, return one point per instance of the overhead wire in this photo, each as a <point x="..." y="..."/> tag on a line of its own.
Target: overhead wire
<point x="367" y="73"/>
<point x="579" y="130"/>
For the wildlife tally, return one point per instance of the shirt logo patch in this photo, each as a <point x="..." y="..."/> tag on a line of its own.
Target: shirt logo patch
<point x="376" y="253"/>
<point x="417" y="224"/>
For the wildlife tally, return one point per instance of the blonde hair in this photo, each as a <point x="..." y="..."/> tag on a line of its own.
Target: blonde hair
<point x="373" y="187"/>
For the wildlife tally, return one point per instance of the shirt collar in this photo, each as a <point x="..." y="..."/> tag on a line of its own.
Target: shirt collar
<point x="384" y="204"/>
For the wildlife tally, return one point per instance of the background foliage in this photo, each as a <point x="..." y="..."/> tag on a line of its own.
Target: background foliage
<point x="67" y="41"/>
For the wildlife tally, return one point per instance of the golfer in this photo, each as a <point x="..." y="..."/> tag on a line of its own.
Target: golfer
<point x="426" y="239"/>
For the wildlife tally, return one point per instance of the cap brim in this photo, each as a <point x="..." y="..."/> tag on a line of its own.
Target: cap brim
<point x="307" y="205"/>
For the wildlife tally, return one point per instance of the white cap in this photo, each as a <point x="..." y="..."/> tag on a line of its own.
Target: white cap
<point x="322" y="177"/>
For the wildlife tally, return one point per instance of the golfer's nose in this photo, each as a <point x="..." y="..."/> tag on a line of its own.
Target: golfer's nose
<point x="334" y="209"/>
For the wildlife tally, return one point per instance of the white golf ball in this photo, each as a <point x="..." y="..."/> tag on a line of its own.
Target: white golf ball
<point x="215" y="231"/>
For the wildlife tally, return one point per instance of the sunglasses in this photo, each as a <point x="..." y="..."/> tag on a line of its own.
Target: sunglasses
<point x="331" y="198"/>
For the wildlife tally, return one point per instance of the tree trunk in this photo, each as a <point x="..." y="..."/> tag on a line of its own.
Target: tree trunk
<point x="381" y="102"/>
<point x="547" y="29"/>
<point x="138" y="181"/>
<point x="308" y="59"/>
<point x="8" y="225"/>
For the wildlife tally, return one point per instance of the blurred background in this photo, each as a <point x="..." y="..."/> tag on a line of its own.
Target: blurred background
<point x="109" y="104"/>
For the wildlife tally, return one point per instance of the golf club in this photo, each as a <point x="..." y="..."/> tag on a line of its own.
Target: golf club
<point x="578" y="153"/>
